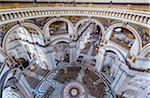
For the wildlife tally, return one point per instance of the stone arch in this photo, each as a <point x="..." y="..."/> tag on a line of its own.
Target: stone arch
<point x="45" y="28"/>
<point x="2" y="52"/>
<point x="7" y="75"/>
<point x="110" y="60"/>
<point x="11" y="74"/>
<point x="145" y="50"/>
<point x="9" y="81"/>
<point x="39" y="31"/>
<point x="115" y="50"/>
<point x="143" y="59"/>
<point x="61" y="55"/>
<point x="108" y="34"/>
<point x="92" y="20"/>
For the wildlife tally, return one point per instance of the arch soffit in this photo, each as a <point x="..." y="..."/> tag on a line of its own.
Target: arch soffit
<point x="33" y="26"/>
<point x="15" y="27"/>
<point x="58" y="19"/>
<point x="92" y="20"/>
<point x="60" y="39"/>
<point x="130" y="28"/>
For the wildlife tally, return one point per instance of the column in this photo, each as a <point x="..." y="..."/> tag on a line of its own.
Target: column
<point x="70" y="29"/>
<point x="119" y="81"/>
<point x="120" y="78"/>
<point x="47" y="36"/>
<point x="79" y="44"/>
<point x="73" y="51"/>
<point x="50" y="58"/>
<point x="100" y="59"/>
<point x="23" y="91"/>
<point x="108" y="34"/>
<point x="119" y="74"/>
<point x="25" y="86"/>
<point x="141" y="92"/>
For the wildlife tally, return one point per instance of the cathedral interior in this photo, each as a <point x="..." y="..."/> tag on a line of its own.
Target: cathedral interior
<point x="74" y="49"/>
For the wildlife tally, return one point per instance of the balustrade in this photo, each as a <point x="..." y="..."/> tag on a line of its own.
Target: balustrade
<point x="139" y="17"/>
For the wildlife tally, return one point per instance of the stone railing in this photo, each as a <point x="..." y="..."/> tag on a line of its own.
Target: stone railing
<point x="136" y="17"/>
